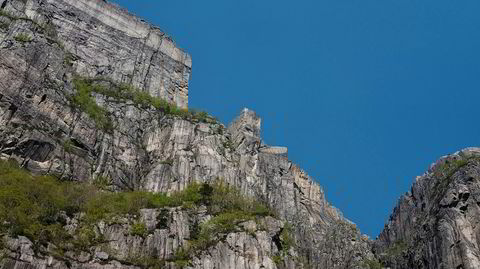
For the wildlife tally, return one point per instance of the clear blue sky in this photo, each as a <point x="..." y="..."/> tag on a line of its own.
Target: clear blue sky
<point x="365" y="93"/>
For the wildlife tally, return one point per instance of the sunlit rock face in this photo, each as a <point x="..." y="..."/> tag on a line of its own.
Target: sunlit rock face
<point x="435" y="225"/>
<point x="46" y="44"/>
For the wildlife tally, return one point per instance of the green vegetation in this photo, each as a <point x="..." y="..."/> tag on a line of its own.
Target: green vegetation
<point x="37" y="207"/>
<point x="228" y="144"/>
<point x="4" y="25"/>
<point x="228" y="208"/>
<point x="48" y="29"/>
<point x="168" y="161"/>
<point x="396" y="249"/>
<point x="102" y="182"/>
<point x="372" y="264"/>
<point x="181" y="258"/>
<point x="24" y="38"/>
<point x="449" y="167"/>
<point x="83" y="100"/>
<point x="287" y="240"/>
<point x="4" y="13"/>
<point x="124" y="92"/>
<point x="286" y="243"/>
<point x="139" y="229"/>
<point x="146" y="261"/>
<point x="443" y="173"/>
<point x="68" y="145"/>
<point x="277" y="259"/>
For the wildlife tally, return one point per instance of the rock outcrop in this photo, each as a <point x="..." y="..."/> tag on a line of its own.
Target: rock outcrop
<point x="57" y="59"/>
<point x="436" y="224"/>
<point x="90" y="92"/>
<point x="252" y="246"/>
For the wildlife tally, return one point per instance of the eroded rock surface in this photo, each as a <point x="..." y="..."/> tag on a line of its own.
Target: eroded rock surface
<point x="46" y="44"/>
<point x="251" y="246"/>
<point x="436" y="224"/>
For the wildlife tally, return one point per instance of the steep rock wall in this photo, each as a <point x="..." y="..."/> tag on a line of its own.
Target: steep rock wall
<point x="99" y="39"/>
<point x="47" y="43"/>
<point x="436" y="224"/>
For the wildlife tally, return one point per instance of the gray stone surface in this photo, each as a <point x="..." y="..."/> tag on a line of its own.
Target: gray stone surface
<point x="147" y="149"/>
<point x="435" y="225"/>
<point x="251" y="247"/>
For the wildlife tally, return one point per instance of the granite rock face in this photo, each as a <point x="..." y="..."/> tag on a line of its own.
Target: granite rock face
<point x="92" y="38"/>
<point x="46" y="44"/>
<point x="436" y="224"/>
<point x="251" y="246"/>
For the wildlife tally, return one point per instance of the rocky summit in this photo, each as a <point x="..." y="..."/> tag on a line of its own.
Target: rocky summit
<point x="104" y="166"/>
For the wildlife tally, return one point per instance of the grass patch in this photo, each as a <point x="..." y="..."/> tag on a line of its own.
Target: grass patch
<point x="286" y="238"/>
<point x="396" y="249"/>
<point x="146" y="261"/>
<point x="36" y="206"/>
<point x="84" y="101"/>
<point x="228" y="208"/>
<point x="372" y="264"/>
<point x="124" y="92"/>
<point x="6" y="14"/>
<point x="23" y="38"/>
<point x="68" y="145"/>
<point x="443" y="173"/>
<point x="139" y="229"/>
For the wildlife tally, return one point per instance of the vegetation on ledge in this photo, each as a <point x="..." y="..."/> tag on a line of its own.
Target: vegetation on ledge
<point x="83" y="99"/>
<point x="38" y="207"/>
<point x="24" y="38"/>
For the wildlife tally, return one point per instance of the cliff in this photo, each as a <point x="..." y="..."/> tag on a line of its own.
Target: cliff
<point x="435" y="225"/>
<point x="97" y="99"/>
<point x="83" y="99"/>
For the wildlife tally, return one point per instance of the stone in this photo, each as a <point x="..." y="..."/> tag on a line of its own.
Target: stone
<point x="435" y="225"/>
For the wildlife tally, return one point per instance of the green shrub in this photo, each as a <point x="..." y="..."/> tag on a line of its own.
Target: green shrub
<point x="397" y="249"/>
<point x="102" y="182"/>
<point x="4" y="25"/>
<point x="68" y="145"/>
<point x="139" y="229"/>
<point x="168" y="161"/>
<point x="4" y="13"/>
<point x="372" y="264"/>
<point x="163" y="219"/>
<point x="278" y="259"/>
<point x="83" y="100"/>
<point x="24" y="38"/>
<point x="181" y="258"/>
<point x="124" y="92"/>
<point x="286" y="237"/>
<point x="145" y="261"/>
<point x="35" y="206"/>
<point x="449" y="167"/>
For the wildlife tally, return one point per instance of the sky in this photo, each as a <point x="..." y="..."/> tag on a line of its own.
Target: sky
<point x="365" y="94"/>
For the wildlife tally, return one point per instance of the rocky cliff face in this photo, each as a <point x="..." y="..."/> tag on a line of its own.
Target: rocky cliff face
<point x="81" y="99"/>
<point x="71" y="105"/>
<point x="436" y="224"/>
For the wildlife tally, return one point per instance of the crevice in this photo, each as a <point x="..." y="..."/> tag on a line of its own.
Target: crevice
<point x="12" y="108"/>
<point x="78" y="144"/>
<point x="277" y="241"/>
<point x="44" y="97"/>
<point x="464" y="196"/>
<point x="4" y="4"/>
<point x="298" y="188"/>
